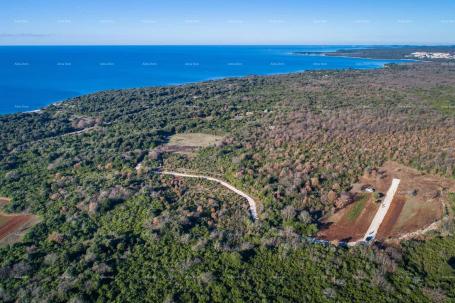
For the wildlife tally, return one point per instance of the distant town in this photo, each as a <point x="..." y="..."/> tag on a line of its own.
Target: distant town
<point x="431" y="55"/>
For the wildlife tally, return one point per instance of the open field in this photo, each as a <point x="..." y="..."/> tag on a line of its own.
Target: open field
<point x="350" y="223"/>
<point x="418" y="203"/>
<point x="187" y="143"/>
<point x="195" y="140"/>
<point x="12" y="226"/>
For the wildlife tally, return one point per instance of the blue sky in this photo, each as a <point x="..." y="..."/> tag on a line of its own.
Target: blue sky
<point x="65" y="22"/>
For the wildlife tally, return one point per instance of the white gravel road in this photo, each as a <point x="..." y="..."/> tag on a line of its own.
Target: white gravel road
<point x="382" y="211"/>
<point x="250" y="200"/>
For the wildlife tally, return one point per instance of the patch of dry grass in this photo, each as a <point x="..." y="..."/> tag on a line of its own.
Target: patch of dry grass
<point x="195" y="140"/>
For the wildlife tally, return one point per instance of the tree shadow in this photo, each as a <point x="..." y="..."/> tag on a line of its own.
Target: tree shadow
<point x="451" y="262"/>
<point x="347" y="240"/>
<point x="323" y="225"/>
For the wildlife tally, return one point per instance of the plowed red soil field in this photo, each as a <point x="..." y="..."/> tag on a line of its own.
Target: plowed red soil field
<point x="342" y="226"/>
<point x="13" y="224"/>
<point x="385" y="230"/>
<point x="419" y="202"/>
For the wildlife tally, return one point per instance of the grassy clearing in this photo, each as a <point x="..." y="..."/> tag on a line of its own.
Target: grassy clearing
<point x="452" y="201"/>
<point x="442" y="99"/>
<point x="358" y="206"/>
<point x="195" y="140"/>
<point x="445" y="105"/>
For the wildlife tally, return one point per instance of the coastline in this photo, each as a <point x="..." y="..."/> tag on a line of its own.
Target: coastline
<point x="207" y="80"/>
<point x="327" y="54"/>
<point x="171" y="68"/>
<point x="354" y="57"/>
<point x="434" y="53"/>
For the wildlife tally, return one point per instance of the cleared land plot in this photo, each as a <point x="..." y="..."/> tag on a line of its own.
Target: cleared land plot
<point x="350" y="223"/>
<point x="13" y="226"/>
<point x="392" y="217"/>
<point x="195" y="140"/>
<point x="190" y="142"/>
<point x="10" y="224"/>
<point x="418" y="203"/>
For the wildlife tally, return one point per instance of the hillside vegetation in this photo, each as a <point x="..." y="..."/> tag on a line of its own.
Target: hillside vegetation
<point x="110" y="232"/>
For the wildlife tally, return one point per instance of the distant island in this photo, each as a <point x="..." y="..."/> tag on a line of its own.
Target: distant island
<point x="433" y="53"/>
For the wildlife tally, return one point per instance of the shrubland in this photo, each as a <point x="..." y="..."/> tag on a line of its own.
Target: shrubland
<point x="295" y="142"/>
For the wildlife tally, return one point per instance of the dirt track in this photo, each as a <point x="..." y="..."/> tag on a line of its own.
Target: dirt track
<point x="250" y="200"/>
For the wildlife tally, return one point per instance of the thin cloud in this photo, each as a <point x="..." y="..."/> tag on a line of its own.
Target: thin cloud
<point x="23" y="35"/>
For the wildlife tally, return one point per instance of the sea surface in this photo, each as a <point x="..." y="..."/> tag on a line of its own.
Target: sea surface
<point x="32" y="77"/>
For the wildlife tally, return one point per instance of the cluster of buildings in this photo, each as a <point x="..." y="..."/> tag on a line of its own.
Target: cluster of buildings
<point x="431" y="55"/>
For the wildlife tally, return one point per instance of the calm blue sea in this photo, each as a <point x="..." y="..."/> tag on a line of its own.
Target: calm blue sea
<point x="34" y="76"/>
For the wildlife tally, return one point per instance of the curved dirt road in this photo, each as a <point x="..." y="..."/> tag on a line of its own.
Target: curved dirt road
<point x="250" y="200"/>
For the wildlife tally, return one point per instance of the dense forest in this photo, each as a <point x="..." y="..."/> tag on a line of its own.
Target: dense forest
<point x="111" y="233"/>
